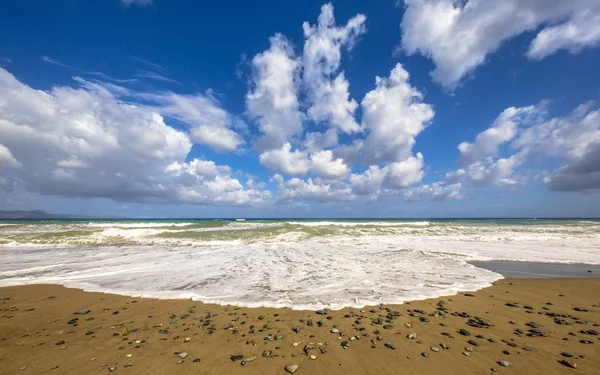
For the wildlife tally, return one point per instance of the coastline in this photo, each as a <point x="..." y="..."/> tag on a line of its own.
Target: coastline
<point x="35" y="319"/>
<point x="539" y="270"/>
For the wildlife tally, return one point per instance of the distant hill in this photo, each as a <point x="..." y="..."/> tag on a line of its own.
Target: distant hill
<point x="39" y="214"/>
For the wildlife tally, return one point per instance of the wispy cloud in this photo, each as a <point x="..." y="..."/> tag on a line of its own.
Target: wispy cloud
<point x="156" y="76"/>
<point x="54" y="61"/>
<point x="149" y="64"/>
<point x="5" y="61"/>
<point x="142" y="3"/>
<point x="104" y="76"/>
<point x="109" y="78"/>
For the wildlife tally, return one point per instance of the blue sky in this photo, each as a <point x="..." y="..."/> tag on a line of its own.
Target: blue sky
<point x="179" y="109"/>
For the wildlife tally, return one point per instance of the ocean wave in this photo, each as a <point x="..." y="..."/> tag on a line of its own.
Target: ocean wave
<point x="359" y="223"/>
<point x="135" y="225"/>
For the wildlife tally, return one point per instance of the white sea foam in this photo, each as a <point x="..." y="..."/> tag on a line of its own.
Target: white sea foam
<point x="359" y="223"/>
<point x="293" y="265"/>
<point x="135" y="225"/>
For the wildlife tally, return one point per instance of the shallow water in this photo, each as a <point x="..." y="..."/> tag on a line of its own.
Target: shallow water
<point x="302" y="264"/>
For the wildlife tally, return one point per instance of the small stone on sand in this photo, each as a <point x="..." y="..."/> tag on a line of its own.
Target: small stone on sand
<point x="291" y="368"/>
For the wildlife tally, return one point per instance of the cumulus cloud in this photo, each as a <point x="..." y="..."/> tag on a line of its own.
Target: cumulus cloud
<point x="296" y="189"/>
<point x="327" y="87"/>
<point x="283" y="160"/>
<point x="7" y="159"/>
<point x="582" y="31"/>
<point x="209" y="124"/>
<point x="437" y="191"/>
<point x="325" y="165"/>
<point x="394" y="115"/>
<point x="370" y="181"/>
<point x="298" y="163"/>
<point x="458" y="36"/>
<point x="572" y="140"/>
<point x="85" y="142"/>
<point x="581" y="175"/>
<point x="404" y="173"/>
<point x="273" y="100"/>
<point x="502" y="130"/>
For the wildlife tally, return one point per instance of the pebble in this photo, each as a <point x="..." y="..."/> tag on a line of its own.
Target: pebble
<point x="565" y="354"/>
<point x="434" y="349"/>
<point x="444" y="346"/>
<point x="568" y="363"/>
<point x="389" y="345"/>
<point x="22" y="368"/>
<point x="111" y="369"/>
<point x="464" y="332"/>
<point x="473" y="342"/>
<point x="291" y="368"/>
<point x="334" y="330"/>
<point x="425" y="354"/>
<point x="466" y="354"/>
<point x="506" y="352"/>
<point x="236" y="357"/>
<point x="129" y="355"/>
<point x="247" y="360"/>
<point x="504" y="363"/>
<point x="313" y="357"/>
<point x="196" y="360"/>
<point x="182" y="355"/>
<point x="468" y="348"/>
<point x="59" y="342"/>
<point x="266" y="353"/>
<point x="528" y="348"/>
<point x="412" y="336"/>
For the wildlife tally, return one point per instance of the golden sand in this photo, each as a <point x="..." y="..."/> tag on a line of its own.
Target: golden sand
<point x="128" y="334"/>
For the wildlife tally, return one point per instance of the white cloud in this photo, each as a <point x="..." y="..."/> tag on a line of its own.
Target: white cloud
<point x="209" y="124"/>
<point x="502" y="130"/>
<point x="273" y="101"/>
<point x="142" y="3"/>
<point x="572" y="140"/>
<point x="299" y="163"/>
<point x="85" y="142"/>
<point x="283" y="160"/>
<point x="404" y="173"/>
<point x="350" y="153"/>
<point x="155" y="76"/>
<point x="327" y="88"/>
<point x="394" y="115"/>
<point x="7" y="159"/>
<point x="437" y="191"/>
<point x="370" y="181"/>
<point x="498" y="172"/>
<point x="296" y="189"/>
<point x="315" y="141"/>
<point x="583" y="30"/>
<point x="324" y="164"/>
<point x="459" y="35"/>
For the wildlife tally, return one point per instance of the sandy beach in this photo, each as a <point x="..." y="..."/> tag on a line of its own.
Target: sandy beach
<point x="537" y="326"/>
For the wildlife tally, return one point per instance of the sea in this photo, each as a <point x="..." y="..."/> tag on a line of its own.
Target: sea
<point x="299" y="264"/>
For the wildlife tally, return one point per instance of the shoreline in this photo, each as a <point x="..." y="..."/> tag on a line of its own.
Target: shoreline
<point x="35" y="319"/>
<point x="538" y="270"/>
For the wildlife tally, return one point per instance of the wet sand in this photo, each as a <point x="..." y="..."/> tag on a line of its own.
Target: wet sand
<point x="47" y="329"/>
<point x="539" y="270"/>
